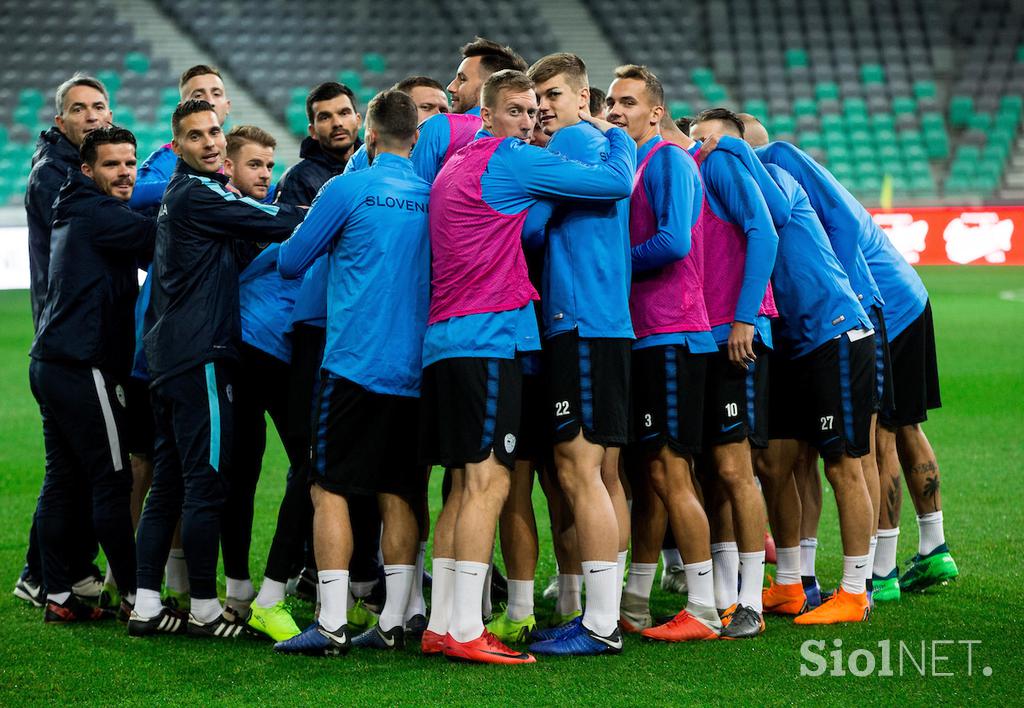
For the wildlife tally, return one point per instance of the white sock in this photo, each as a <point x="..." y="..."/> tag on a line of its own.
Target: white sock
<point x="417" y="605"/>
<point x="176" y="571"/>
<point x="333" y="593"/>
<point x="885" y="554"/>
<point x="929" y="527"/>
<point x="398" y="583"/>
<point x="361" y="588"/>
<point x="442" y="592"/>
<point x="872" y="548"/>
<point x="808" y="549"/>
<point x="520" y="599"/>
<point x="620" y="563"/>
<point x="485" y="597"/>
<point x="853" y="574"/>
<point x="59" y="597"/>
<point x="726" y="557"/>
<point x="569" y="594"/>
<point x="271" y="593"/>
<point x="700" y="598"/>
<point x="470" y="578"/>
<point x="787" y="565"/>
<point x="751" y="579"/>
<point x="601" y="614"/>
<point x="240" y="589"/>
<point x="670" y="558"/>
<point x="130" y="598"/>
<point x="147" y="603"/>
<point x="206" y="610"/>
<point x="639" y="584"/>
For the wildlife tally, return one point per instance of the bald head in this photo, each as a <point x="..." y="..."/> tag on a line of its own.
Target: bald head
<point x="754" y="131"/>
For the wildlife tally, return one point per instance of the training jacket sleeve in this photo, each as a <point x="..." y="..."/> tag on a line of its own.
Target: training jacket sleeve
<point x="314" y="236"/>
<point x="151" y="180"/>
<point x="670" y="192"/>
<point x="432" y="144"/>
<point x="118" y="228"/>
<point x="545" y="175"/>
<point x="742" y="200"/>
<point x="224" y="213"/>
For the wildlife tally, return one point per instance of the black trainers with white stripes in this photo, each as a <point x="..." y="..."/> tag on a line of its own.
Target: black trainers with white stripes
<point x="167" y="622"/>
<point x="220" y="628"/>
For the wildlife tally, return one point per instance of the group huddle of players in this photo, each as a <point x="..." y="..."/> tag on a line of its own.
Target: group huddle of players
<point x="668" y="321"/>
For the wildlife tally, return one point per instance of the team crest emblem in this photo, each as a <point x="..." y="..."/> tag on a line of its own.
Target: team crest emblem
<point x="229" y="392"/>
<point x="119" y="392"/>
<point x="510" y="443"/>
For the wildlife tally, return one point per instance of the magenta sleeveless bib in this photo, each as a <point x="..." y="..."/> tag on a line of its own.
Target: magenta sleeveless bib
<point x="670" y="299"/>
<point x="462" y="127"/>
<point x="725" y="255"/>
<point x="477" y="254"/>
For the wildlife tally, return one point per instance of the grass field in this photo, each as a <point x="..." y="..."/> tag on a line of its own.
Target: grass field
<point x="977" y="436"/>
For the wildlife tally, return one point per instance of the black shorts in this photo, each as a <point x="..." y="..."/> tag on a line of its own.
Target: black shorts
<point x="915" y="374"/>
<point x="364" y="442"/>
<point x="588" y="388"/>
<point x="139" y="430"/>
<point x="668" y="398"/>
<point x="736" y="401"/>
<point x="838" y="396"/>
<point x="883" y="362"/>
<point x="785" y="407"/>
<point x="534" y="433"/>
<point x="471" y="407"/>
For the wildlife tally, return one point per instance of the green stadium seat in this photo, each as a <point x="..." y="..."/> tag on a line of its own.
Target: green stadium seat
<point x="924" y="89"/>
<point x="857" y="122"/>
<point x="136" y="62"/>
<point x="754" y="106"/>
<point x="783" y="124"/>
<point x="841" y="169"/>
<point x="1012" y="100"/>
<point x="882" y="121"/>
<point x="981" y="121"/>
<point x="298" y="95"/>
<point x="372" y="61"/>
<point x="111" y="79"/>
<point x="805" y="107"/>
<point x="914" y="152"/>
<point x="872" y="74"/>
<point x="3" y="137"/>
<point x="33" y="98"/>
<point x="125" y="118"/>
<point x="904" y="105"/>
<point x="810" y="140"/>
<point x="995" y="152"/>
<point x="932" y="119"/>
<point x="826" y="90"/>
<point x="837" y="152"/>
<point x="350" y="78"/>
<point x="1002" y="135"/>
<point x="1020" y="53"/>
<point x="365" y="95"/>
<point x="297" y="120"/>
<point x="853" y="105"/>
<point x="25" y="115"/>
<point x="796" y="58"/>
<point x="961" y="108"/>
<point x="169" y="97"/>
<point x="702" y="77"/>
<point x="863" y="153"/>
<point x="832" y="121"/>
<point x="715" y="93"/>
<point x="678" y="109"/>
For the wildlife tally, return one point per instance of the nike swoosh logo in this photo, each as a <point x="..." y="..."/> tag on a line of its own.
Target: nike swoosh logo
<point x="860" y="566"/>
<point x="498" y="653"/>
<point x="388" y="575"/>
<point x="328" y="582"/>
<point x="726" y="429"/>
<point x="390" y="641"/>
<point x="466" y="572"/>
<point x="704" y="573"/>
<point x="613" y="643"/>
<point x="599" y="570"/>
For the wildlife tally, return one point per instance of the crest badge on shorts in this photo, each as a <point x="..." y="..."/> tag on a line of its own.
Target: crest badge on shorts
<point x="510" y="443"/>
<point x="230" y="393"/>
<point x="119" y="393"/>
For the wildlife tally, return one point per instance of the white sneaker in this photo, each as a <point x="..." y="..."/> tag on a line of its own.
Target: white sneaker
<point x="633" y="620"/>
<point x="88" y="588"/>
<point x="673" y="579"/>
<point x="28" y="590"/>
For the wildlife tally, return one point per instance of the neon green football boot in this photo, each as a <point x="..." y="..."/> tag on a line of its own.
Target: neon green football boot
<point x="276" y="621"/>
<point x="935" y="568"/>
<point x="886" y="589"/>
<point x="361" y="617"/>
<point x="511" y="631"/>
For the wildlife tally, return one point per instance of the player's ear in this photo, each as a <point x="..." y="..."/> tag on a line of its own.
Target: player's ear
<point x="585" y="98"/>
<point x="87" y="170"/>
<point x="415" y="138"/>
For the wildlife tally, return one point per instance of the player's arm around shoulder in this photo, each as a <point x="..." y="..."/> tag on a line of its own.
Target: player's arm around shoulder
<point x="326" y="218"/>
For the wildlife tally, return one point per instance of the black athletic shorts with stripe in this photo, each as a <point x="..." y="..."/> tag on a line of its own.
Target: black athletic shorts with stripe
<point x="668" y="399"/>
<point x="838" y="395"/>
<point x="471" y="407"/>
<point x="736" y="400"/>
<point x="915" y="374"/>
<point x="883" y="361"/>
<point x="588" y="388"/>
<point x="364" y="442"/>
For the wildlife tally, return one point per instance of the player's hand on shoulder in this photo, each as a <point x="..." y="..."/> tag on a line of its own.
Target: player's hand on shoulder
<point x="599" y="123"/>
<point x="708" y="146"/>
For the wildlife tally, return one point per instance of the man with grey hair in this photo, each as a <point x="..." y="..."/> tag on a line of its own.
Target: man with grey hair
<point x="82" y="104"/>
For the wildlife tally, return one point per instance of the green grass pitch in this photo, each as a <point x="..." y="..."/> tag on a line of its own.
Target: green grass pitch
<point x="977" y="436"/>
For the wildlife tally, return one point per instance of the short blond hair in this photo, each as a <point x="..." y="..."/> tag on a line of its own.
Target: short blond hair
<point x="507" y="79"/>
<point x="652" y="84"/>
<point x="242" y="135"/>
<point x="553" y="65"/>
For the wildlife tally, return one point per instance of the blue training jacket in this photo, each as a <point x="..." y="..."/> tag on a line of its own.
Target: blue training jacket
<point x="373" y="225"/>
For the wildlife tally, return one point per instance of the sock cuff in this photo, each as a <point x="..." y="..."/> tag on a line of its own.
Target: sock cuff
<point x="590" y="566"/>
<point x="472" y="565"/>
<point x="323" y="575"/>
<point x="809" y="542"/>
<point x="873" y="541"/>
<point x="443" y="564"/>
<point x="889" y="533"/>
<point x="399" y="568"/>
<point x="855" y="559"/>
<point x="724" y="547"/>
<point x="519" y="583"/>
<point x="702" y="565"/>
<point x="643" y="568"/>
<point x="930" y="518"/>
<point x="622" y="555"/>
<point x="752" y="556"/>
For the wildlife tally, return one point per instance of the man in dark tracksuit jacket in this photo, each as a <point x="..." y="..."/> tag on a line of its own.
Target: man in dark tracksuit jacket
<point x="81" y="358"/>
<point x="82" y="105"/>
<point x="193" y="331"/>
